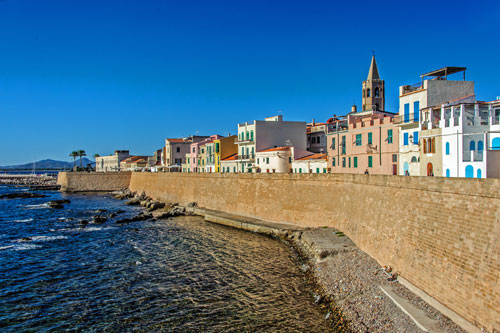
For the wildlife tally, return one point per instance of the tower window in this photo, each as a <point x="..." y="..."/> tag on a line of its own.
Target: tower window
<point x="368" y="92"/>
<point x="377" y="92"/>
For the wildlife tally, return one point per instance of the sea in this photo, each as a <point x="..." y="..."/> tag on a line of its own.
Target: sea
<point x="176" y="275"/>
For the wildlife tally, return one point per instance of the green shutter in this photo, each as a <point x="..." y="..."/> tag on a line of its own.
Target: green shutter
<point x="370" y="138"/>
<point x="370" y="161"/>
<point x="355" y="161"/>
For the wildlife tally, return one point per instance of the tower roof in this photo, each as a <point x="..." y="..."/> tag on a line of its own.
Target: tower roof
<point x="373" y="73"/>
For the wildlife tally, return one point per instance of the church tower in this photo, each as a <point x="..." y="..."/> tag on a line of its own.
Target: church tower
<point x="373" y="90"/>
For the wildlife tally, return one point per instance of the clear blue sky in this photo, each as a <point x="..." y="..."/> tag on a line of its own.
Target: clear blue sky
<point x="104" y="75"/>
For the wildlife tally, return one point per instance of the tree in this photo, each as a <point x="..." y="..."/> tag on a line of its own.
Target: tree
<point x="96" y="156"/>
<point x="81" y="153"/>
<point x="74" y="154"/>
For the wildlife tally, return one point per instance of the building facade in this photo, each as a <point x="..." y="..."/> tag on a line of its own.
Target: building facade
<point x="111" y="163"/>
<point x="270" y="133"/>
<point x="224" y="147"/>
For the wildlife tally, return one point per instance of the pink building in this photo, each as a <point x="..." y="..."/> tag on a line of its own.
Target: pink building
<point x="369" y="144"/>
<point x="194" y="151"/>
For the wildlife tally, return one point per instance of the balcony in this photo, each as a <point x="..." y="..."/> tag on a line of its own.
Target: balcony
<point x="248" y="157"/>
<point x="473" y="156"/>
<point x="426" y="124"/>
<point x="495" y="120"/>
<point x="411" y="88"/>
<point x="244" y="141"/>
<point x="409" y="118"/>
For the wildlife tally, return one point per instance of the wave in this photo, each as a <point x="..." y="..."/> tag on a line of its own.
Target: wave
<point x="40" y="206"/>
<point x="27" y="220"/>
<point x="39" y="239"/>
<point x="20" y="247"/>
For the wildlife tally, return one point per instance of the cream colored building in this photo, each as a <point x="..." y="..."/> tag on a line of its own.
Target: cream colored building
<point x="111" y="163"/>
<point x="229" y="164"/>
<point x="274" y="160"/>
<point x="314" y="163"/>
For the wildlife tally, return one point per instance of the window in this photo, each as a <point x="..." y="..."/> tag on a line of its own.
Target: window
<point x="343" y="162"/>
<point x="407" y="112"/>
<point x="333" y="143"/>
<point x="324" y="170"/>
<point x="253" y="152"/>
<point x="413" y="159"/>
<point x="355" y="161"/>
<point x="193" y="149"/>
<point x="469" y="171"/>
<point x="416" y="110"/>
<point x="394" y="158"/>
<point x="368" y="92"/>
<point x="415" y="138"/>
<point x="290" y="159"/>
<point x="447" y="149"/>
<point x="480" y="147"/>
<point x="370" y="141"/>
<point x="343" y="144"/>
<point x="242" y="151"/>
<point x="257" y="161"/>
<point x="251" y="135"/>
<point x="405" y="139"/>
<point x="433" y="145"/>
<point x="333" y="161"/>
<point x="448" y="173"/>
<point x="358" y="139"/>
<point x="478" y="173"/>
<point x="267" y="160"/>
<point x="317" y="170"/>
<point x="370" y="161"/>
<point x="300" y="170"/>
<point x="216" y="147"/>
<point x="389" y="136"/>
<point x="377" y="92"/>
<point x="313" y="140"/>
<point x="247" y="135"/>
<point x="202" y="150"/>
<point x="349" y="161"/>
<point x="188" y="159"/>
<point x="425" y="145"/>
<point x="472" y="145"/>
<point x="178" y="149"/>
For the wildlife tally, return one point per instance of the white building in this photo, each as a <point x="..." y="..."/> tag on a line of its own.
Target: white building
<point x="111" y="163"/>
<point x="229" y="164"/>
<point x="274" y="160"/>
<point x="314" y="163"/>
<point x="272" y="132"/>
<point x="471" y="139"/>
<point x="434" y="90"/>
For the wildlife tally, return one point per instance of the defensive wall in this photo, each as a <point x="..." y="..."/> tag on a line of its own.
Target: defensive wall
<point x="95" y="182"/>
<point x="441" y="234"/>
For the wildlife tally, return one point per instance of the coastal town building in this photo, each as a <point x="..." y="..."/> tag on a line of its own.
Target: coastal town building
<point x="274" y="160"/>
<point x="365" y="141"/>
<point x="271" y="132"/>
<point x="175" y="150"/>
<point x="229" y="164"/>
<point x="224" y="147"/>
<point x="316" y="137"/>
<point x="111" y="163"/>
<point x="135" y="163"/>
<point x="434" y="90"/>
<point x="313" y="163"/>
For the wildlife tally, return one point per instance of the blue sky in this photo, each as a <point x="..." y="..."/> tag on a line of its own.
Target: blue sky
<point x="104" y="75"/>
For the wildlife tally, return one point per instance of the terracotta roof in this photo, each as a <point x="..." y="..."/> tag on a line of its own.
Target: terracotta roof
<point x="274" y="149"/>
<point x="318" y="156"/>
<point x="176" y="140"/>
<point x="231" y="158"/>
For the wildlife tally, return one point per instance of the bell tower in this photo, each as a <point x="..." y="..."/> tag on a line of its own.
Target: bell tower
<point x="373" y="90"/>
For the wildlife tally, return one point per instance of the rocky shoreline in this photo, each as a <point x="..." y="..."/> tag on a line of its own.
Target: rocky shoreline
<point x="33" y="182"/>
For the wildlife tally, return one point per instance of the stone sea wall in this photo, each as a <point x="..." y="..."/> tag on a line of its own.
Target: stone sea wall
<point x="94" y="182"/>
<point x="441" y="234"/>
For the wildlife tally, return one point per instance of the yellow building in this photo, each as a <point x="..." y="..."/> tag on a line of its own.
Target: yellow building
<point x="223" y="148"/>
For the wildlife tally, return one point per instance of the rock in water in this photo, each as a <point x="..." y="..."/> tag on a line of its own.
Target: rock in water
<point x="22" y="195"/>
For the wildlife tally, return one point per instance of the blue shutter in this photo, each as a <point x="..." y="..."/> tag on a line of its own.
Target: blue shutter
<point x="415" y="138"/>
<point x="416" y="110"/>
<point x="447" y="148"/>
<point x="407" y="112"/>
<point x="405" y="140"/>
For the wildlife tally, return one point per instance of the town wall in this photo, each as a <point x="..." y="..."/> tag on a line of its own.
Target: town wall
<point x="441" y="234"/>
<point x="94" y="182"/>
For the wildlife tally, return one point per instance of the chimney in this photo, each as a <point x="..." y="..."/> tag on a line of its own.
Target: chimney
<point x="313" y="122"/>
<point x="354" y="108"/>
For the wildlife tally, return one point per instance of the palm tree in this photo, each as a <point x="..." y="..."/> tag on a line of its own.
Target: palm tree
<point x="74" y="154"/>
<point x="81" y="153"/>
<point x="96" y="156"/>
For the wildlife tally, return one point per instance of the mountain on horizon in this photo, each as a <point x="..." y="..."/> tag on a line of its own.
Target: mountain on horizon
<point x="49" y="164"/>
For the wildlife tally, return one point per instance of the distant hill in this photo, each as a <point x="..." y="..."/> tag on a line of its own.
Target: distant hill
<point x="49" y="164"/>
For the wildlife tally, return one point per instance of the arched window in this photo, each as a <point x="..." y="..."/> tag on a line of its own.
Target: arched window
<point x="413" y="159"/>
<point x="472" y="145"/>
<point x="478" y="173"/>
<point x="376" y="106"/>
<point x="480" y="145"/>
<point x="406" y="168"/>
<point x="495" y="144"/>
<point x="448" y="173"/>
<point x="368" y="92"/>
<point x="377" y="92"/>
<point x="447" y="148"/>
<point x="469" y="171"/>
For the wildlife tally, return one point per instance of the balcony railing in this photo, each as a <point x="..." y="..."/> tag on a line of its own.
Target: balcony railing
<point x="246" y="157"/>
<point x="473" y="156"/>
<point x="408" y="118"/>
<point x="495" y="120"/>
<point x="238" y="141"/>
<point x="412" y="87"/>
